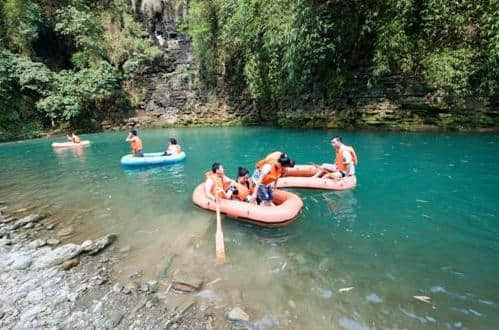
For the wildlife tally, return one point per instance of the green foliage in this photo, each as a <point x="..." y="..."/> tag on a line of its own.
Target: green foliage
<point x="284" y="49"/>
<point x="83" y="28"/>
<point x="76" y="93"/>
<point x="22" y="20"/>
<point x="450" y="70"/>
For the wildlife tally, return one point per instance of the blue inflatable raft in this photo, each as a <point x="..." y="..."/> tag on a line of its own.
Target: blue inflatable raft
<point x="149" y="159"/>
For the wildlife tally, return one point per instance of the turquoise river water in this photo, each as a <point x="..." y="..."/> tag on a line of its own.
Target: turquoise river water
<point x="423" y="220"/>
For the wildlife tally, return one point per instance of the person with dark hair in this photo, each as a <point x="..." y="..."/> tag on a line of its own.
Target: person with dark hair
<point x="217" y="183"/>
<point x="244" y="186"/>
<point x="344" y="164"/>
<point x="173" y="149"/>
<point x="135" y="143"/>
<point x="73" y="137"/>
<point x="267" y="172"/>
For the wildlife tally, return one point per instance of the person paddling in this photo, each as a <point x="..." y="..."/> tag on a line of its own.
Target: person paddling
<point x="73" y="137"/>
<point x="217" y="183"/>
<point x="267" y="172"/>
<point x="345" y="162"/>
<point x="173" y="149"/>
<point x="135" y="143"/>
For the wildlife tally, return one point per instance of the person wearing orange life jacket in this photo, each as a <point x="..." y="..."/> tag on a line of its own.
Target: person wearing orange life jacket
<point x="135" y="143"/>
<point x="73" y="137"/>
<point x="244" y="185"/>
<point x="173" y="149"/>
<point x="217" y="184"/>
<point x="267" y="172"/>
<point x="345" y="162"/>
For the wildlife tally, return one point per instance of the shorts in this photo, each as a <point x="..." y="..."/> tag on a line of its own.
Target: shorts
<point x="265" y="193"/>
<point x="139" y="154"/>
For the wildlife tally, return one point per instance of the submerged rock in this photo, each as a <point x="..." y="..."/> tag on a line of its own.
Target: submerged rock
<point x="65" y="232"/>
<point x="102" y="243"/>
<point x="67" y="265"/>
<point x="53" y="241"/>
<point x="237" y="314"/>
<point x="37" y="243"/>
<point x="50" y="227"/>
<point x="125" y="248"/>
<point x="187" y="282"/>
<point x="27" y="220"/>
<point x="58" y="256"/>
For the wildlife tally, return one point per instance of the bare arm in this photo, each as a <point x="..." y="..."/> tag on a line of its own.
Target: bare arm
<point x="208" y="185"/>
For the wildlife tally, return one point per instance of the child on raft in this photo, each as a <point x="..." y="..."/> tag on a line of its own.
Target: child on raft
<point x="173" y="149"/>
<point x="243" y="185"/>
<point x="73" y="137"/>
<point x="135" y="143"/>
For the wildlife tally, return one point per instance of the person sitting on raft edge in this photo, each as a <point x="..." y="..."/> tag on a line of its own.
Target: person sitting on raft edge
<point x="344" y="164"/>
<point x="217" y="184"/>
<point x="73" y="137"/>
<point x="173" y="149"/>
<point x="135" y="143"/>
<point x="267" y="172"/>
<point x="244" y="185"/>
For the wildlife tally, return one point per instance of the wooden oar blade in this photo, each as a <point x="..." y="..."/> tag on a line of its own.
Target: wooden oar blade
<point x="219" y="238"/>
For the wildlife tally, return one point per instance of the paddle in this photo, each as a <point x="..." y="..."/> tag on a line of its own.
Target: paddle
<point x="219" y="237"/>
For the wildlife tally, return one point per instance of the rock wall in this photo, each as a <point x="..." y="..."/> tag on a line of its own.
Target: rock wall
<point x="174" y="96"/>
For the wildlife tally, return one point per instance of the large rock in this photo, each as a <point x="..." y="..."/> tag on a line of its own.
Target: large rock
<point x="237" y="314"/>
<point x="101" y="243"/>
<point x="58" y="256"/>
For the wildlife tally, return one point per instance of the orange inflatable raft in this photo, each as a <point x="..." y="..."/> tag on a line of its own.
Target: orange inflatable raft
<point x="287" y="209"/>
<point x="301" y="176"/>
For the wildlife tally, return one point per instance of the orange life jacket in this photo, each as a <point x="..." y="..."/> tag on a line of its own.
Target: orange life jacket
<point x="243" y="190"/>
<point x="136" y="144"/>
<point x="340" y="162"/>
<point x="276" y="171"/>
<point x="218" y="182"/>
<point x="75" y="138"/>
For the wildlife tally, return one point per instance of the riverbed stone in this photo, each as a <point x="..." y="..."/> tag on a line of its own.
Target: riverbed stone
<point x="32" y="218"/>
<point x="129" y="288"/>
<point x="50" y="226"/>
<point x="118" y="287"/>
<point x="58" y="256"/>
<point x="29" y="225"/>
<point x="114" y="320"/>
<point x="22" y="262"/>
<point x="125" y="248"/>
<point x="37" y="243"/>
<point x="64" y="232"/>
<point x="53" y="242"/>
<point x="67" y="265"/>
<point x="101" y="243"/>
<point x="87" y="246"/>
<point x="237" y="314"/>
<point x="187" y="282"/>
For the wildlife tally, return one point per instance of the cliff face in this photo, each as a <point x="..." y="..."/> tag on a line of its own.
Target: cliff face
<point x="172" y="94"/>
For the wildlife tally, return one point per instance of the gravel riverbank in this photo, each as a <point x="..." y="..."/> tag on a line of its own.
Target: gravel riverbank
<point x="46" y="284"/>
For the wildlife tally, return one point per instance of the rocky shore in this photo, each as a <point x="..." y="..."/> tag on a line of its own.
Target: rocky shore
<point x="47" y="284"/>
